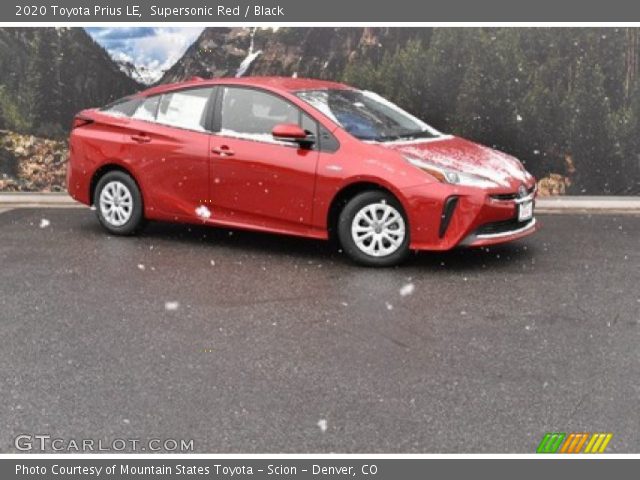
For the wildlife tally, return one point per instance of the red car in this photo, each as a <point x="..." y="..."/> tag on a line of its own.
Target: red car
<point x="295" y="156"/>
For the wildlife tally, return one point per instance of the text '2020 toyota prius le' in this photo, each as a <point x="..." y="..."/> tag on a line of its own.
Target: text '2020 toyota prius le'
<point x="295" y="156"/>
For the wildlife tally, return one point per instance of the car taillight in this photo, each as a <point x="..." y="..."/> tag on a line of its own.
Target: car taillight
<point x="80" y="122"/>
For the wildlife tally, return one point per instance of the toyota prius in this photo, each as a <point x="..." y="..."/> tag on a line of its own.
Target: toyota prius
<point x="295" y="156"/>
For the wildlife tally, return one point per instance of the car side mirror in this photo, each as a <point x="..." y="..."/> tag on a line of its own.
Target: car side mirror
<point x="290" y="132"/>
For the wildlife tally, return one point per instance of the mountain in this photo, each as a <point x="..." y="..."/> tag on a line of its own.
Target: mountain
<point x="309" y="52"/>
<point x="216" y="52"/>
<point x="49" y="74"/>
<point x="140" y="74"/>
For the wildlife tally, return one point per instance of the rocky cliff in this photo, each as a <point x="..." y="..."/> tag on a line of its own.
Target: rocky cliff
<point x="306" y="52"/>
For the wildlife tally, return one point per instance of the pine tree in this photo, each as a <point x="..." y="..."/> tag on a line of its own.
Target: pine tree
<point x="445" y="64"/>
<point x="590" y="139"/>
<point x="488" y="103"/>
<point x="43" y="87"/>
<point x="629" y="128"/>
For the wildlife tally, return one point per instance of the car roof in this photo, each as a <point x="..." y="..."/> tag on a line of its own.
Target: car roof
<point x="289" y="84"/>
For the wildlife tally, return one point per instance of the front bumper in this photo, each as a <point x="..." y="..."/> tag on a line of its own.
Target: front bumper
<point x="482" y="238"/>
<point x="443" y="216"/>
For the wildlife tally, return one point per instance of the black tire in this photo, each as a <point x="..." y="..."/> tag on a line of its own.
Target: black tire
<point x="133" y="220"/>
<point x="374" y="199"/>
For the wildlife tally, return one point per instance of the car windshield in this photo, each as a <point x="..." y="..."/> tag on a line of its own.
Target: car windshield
<point x="367" y="115"/>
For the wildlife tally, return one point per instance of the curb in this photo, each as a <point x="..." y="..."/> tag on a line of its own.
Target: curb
<point x="547" y="205"/>
<point x="588" y="204"/>
<point x="36" y="200"/>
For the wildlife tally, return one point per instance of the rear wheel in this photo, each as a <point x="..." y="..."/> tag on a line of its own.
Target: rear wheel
<point x="373" y="229"/>
<point x="118" y="203"/>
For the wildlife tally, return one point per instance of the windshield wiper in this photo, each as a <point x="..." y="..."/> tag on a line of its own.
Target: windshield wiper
<point x="416" y="134"/>
<point x="404" y="136"/>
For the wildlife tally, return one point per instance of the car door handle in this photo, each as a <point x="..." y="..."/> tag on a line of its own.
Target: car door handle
<point x="141" y="138"/>
<point x="223" y="150"/>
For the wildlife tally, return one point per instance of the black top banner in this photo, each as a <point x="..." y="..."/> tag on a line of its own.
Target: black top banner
<point x="284" y="11"/>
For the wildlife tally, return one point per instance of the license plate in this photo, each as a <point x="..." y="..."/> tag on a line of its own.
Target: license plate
<point x="525" y="211"/>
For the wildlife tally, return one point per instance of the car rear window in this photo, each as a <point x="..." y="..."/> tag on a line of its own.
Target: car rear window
<point x="147" y="110"/>
<point x="123" y="107"/>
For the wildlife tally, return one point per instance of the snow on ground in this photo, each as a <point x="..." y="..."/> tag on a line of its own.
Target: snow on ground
<point x="407" y="289"/>
<point x="322" y="424"/>
<point x="171" y="306"/>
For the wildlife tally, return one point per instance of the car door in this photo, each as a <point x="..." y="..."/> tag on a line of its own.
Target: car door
<point x="169" y="146"/>
<point x="255" y="179"/>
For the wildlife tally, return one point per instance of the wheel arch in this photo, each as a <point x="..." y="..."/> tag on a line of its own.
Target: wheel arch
<point x="346" y="193"/>
<point x="103" y="170"/>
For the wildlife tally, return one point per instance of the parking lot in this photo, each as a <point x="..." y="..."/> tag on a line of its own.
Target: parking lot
<point x="254" y="343"/>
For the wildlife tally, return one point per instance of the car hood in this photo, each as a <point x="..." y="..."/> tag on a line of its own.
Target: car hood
<point x="464" y="156"/>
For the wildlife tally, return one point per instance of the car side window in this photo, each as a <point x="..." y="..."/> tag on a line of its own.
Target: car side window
<point x="147" y="109"/>
<point x="184" y="108"/>
<point x="252" y="114"/>
<point x="309" y="125"/>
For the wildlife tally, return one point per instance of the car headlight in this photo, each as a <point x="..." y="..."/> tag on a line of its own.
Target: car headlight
<point x="454" y="177"/>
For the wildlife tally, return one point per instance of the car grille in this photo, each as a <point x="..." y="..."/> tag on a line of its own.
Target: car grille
<point x="503" y="226"/>
<point x="511" y="196"/>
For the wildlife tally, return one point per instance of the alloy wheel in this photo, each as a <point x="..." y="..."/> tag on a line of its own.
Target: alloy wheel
<point x="378" y="229"/>
<point x="116" y="203"/>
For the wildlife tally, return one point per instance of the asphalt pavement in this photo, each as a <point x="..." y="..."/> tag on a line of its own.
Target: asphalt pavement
<point x="252" y="343"/>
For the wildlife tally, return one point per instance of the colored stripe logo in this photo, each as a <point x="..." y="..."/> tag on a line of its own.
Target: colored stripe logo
<point x="556" y="442"/>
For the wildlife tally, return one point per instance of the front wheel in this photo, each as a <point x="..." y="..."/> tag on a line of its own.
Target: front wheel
<point x="373" y="229"/>
<point x="118" y="203"/>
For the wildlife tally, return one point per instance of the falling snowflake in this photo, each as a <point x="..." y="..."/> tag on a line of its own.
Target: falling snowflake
<point x="213" y="263"/>
<point x="389" y="306"/>
<point x="44" y="223"/>
<point x="322" y="424"/>
<point x="171" y="306"/>
<point x="407" y="289"/>
<point x="203" y="212"/>
<point x="141" y="266"/>
<point x="518" y="118"/>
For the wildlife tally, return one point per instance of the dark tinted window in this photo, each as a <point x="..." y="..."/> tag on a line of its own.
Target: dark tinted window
<point x="328" y="143"/>
<point x="309" y="125"/>
<point x="252" y="114"/>
<point x="248" y="112"/>
<point x="366" y="115"/>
